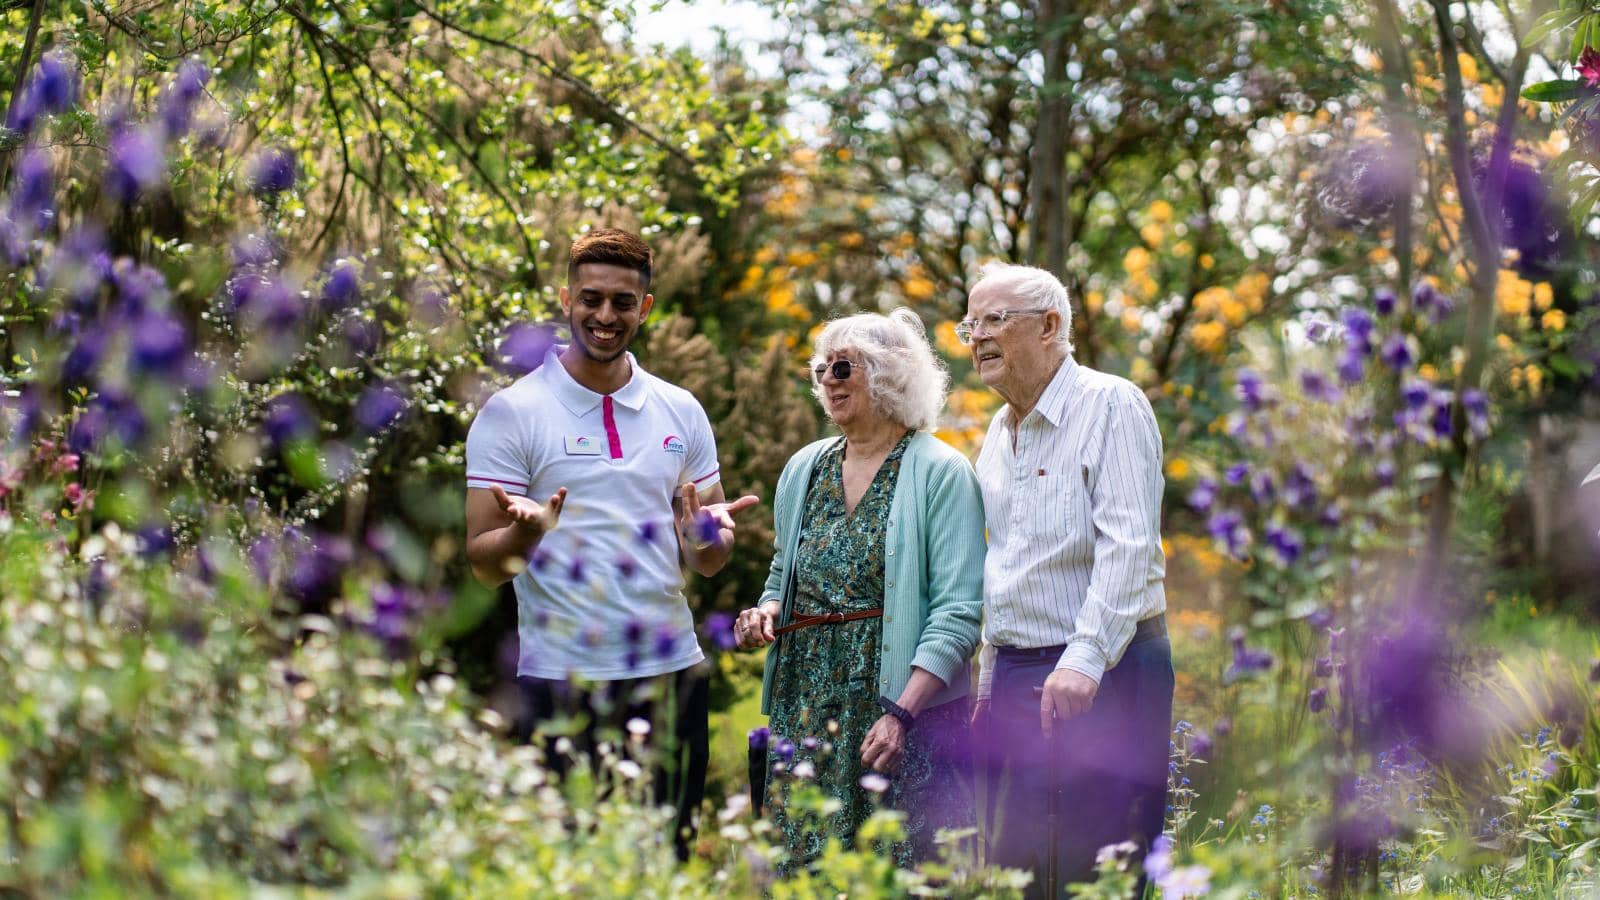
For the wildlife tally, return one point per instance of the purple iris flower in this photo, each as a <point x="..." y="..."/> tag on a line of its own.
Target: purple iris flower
<point x="139" y="287"/>
<point x="288" y="419"/>
<point x="1317" y="386"/>
<point x="1262" y="488"/>
<point x="33" y="197"/>
<point x="1250" y="389"/>
<point x="1317" y="700"/>
<point x="1384" y="471"/>
<point x="254" y="251"/>
<point x="316" y="568"/>
<point x="160" y="344"/>
<point x="1443" y="427"/>
<point x="272" y="171"/>
<point x="1324" y="667"/>
<point x="55" y="83"/>
<point x="117" y="415"/>
<point x="380" y="405"/>
<point x="1237" y="473"/>
<point x="1476" y="404"/>
<point x="1227" y="527"/>
<point x="1203" y="495"/>
<point x="342" y="288"/>
<point x="1384" y="301"/>
<point x="154" y="540"/>
<point x="784" y="749"/>
<point x="1358" y="327"/>
<point x="177" y="103"/>
<point x="1396" y="353"/>
<point x="524" y="347"/>
<point x="276" y="305"/>
<point x="720" y="627"/>
<point x="759" y="737"/>
<point x="360" y="335"/>
<point x="1200" y="746"/>
<point x="1416" y="393"/>
<point x="1285" y="543"/>
<point x="1300" y="488"/>
<point x="1352" y="364"/>
<point x="666" y="641"/>
<point x="137" y="164"/>
<point x="1245" y="659"/>
<point x="84" y="357"/>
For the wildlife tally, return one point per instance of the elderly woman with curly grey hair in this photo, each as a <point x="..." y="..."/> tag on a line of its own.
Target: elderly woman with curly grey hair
<point x="874" y="597"/>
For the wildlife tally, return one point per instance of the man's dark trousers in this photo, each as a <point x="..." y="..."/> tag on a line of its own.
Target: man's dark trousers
<point x="1111" y="765"/>
<point x="677" y="706"/>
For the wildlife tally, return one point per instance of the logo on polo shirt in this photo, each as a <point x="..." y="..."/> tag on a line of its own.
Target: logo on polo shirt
<point x="673" y="444"/>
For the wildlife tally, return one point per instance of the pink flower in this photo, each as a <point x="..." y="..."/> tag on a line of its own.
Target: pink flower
<point x="77" y="496"/>
<point x="66" y="462"/>
<point x="1589" y="66"/>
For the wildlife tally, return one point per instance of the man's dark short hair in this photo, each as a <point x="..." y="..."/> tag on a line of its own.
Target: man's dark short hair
<point x="612" y="247"/>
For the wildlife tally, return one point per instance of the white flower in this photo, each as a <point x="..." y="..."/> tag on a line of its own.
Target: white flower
<point x="629" y="769"/>
<point x="638" y="727"/>
<point x="874" y="782"/>
<point x="805" y="769"/>
<point x="1189" y="881"/>
<point x="734" y="808"/>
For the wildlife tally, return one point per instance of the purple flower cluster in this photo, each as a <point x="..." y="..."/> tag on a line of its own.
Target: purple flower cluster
<point x="51" y="88"/>
<point x="1246" y="660"/>
<point x="272" y="171"/>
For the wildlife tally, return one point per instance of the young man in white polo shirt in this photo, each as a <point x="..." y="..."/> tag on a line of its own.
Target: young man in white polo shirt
<point x="588" y="481"/>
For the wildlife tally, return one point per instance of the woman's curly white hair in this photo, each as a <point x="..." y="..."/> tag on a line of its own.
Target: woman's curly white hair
<point x="906" y="382"/>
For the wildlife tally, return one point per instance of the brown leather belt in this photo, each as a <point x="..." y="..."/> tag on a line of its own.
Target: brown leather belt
<point x="800" y="621"/>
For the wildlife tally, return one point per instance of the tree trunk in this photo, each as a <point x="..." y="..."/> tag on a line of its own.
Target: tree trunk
<point x="1047" y="225"/>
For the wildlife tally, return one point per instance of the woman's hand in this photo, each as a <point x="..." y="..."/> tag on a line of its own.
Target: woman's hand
<point x="884" y="745"/>
<point x="754" y="626"/>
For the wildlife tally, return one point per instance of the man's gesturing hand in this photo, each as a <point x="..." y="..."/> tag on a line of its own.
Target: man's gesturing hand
<point x="1066" y="694"/>
<point x="537" y="518"/>
<point x="700" y="527"/>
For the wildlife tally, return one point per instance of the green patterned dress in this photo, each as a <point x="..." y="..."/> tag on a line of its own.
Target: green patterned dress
<point x="826" y="687"/>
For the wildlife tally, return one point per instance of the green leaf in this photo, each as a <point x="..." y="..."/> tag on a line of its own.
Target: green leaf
<point x="1549" y="23"/>
<point x="1558" y="90"/>
<point x="1580" y="37"/>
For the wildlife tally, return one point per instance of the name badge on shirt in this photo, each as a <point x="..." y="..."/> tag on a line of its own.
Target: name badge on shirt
<point x="582" y="446"/>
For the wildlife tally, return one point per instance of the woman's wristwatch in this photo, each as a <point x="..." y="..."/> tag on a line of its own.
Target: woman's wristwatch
<point x="891" y="708"/>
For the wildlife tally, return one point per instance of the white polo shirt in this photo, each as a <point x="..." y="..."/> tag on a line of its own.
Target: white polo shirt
<point x="602" y="597"/>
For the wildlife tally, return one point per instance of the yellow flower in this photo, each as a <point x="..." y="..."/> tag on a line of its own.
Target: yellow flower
<point x="945" y="335"/>
<point x="1428" y="372"/>
<point x="1542" y="296"/>
<point x="1132" y="321"/>
<point x="1136" y="261"/>
<point x="1504" y="342"/>
<point x="1207" y="260"/>
<point x="843" y="154"/>
<point x="1512" y="294"/>
<point x="1160" y="211"/>
<point x="852" y="240"/>
<point x="1534" y="376"/>
<point x="918" y="288"/>
<point x="1469" y="67"/>
<point x="802" y="258"/>
<point x="1147" y="287"/>
<point x="1178" y="468"/>
<point x="1553" y="320"/>
<point x="1208" y="336"/>
<point x="1153" y="234"/>
<point x="1094" y="301"/>
<point x="1233" y="311"/>
<point x="1210" y="300"/>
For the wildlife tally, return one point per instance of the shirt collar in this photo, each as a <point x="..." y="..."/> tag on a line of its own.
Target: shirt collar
<point x="578" y="399"/>
<point x="1052" y="404"/>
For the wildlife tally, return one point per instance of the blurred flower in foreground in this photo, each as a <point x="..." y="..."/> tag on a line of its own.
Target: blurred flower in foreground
<point x="379" y="407"/>
<point x="137" y="164"/>
<point x="272" y="171"/>
<point x="524" y="347"/>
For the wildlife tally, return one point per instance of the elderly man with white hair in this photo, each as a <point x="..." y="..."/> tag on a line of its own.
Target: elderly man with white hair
<point x="1075" y="684"/>
<point x="874" y="598"/>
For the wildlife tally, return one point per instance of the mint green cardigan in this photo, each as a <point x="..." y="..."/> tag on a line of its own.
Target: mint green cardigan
<point x="933" y="576"/>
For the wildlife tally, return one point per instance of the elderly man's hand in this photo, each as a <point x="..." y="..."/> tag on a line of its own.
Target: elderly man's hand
<point x="1066" y="694"/>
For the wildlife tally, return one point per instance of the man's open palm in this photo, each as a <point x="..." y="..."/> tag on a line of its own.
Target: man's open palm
<point x="539" y="518"/>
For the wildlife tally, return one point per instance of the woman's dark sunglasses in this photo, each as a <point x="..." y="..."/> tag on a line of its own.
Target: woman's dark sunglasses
<point x="839" y="367"/>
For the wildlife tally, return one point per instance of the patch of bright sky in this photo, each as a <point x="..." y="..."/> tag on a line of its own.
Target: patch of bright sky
<point x="695" y="25"/>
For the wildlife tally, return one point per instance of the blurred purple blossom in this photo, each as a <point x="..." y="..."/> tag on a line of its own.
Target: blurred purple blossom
<point x="1263" y="490"/>
<point x="1415" y="393"/>
<point x="1358" y="326"/>
<point x="160" y="344"/>
<point x="154" y="540"/>
<point x="55" y="82"/>
<point x="1352" y="365"/>
<point x="706" y="529"/>
<point x="1385" y="473"/>
<point x="1300" y="487"/>
<point x="1285" y="542"/>
<point x="759" y="738"/>
<point x="1384" y="301"/>
<point x="139" y="287"/>
<point x="1317" y="386"/>
<point x="524" y="347"/>
<point x="84" y="358"/>
<point x="649" y="531"/>
<point x="288" y="419"/>
<point x="33" y="191"/>
<point x="1397" y="353"/>
<point x="1246" y="659"/>
<point x="178" y="101"/>
<point x="272" y="171"/>
<point x="719" y="626"/>
<point x="666" y="641"/>
<point x="361" y="336"/>
<point x="254" y="250"/>
<point x="1361" y="183"/>
<point x="342" y="288"/>
<point x="1237" y="473"/>
<point x="379" y="407"/>
<point x="316" y="567"/>
<point x="137" y="164"/>
<point x="1227" y="527"/>
<point x="1317" y="700"/>
<point x="1476" y="403"/>
<point x="1203" y="495"/>
<point x="1250" y="389"/>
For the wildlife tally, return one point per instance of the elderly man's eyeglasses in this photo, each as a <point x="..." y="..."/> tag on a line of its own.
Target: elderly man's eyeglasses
<point x="991" y="322"/>
<point x="841" y="369"/>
